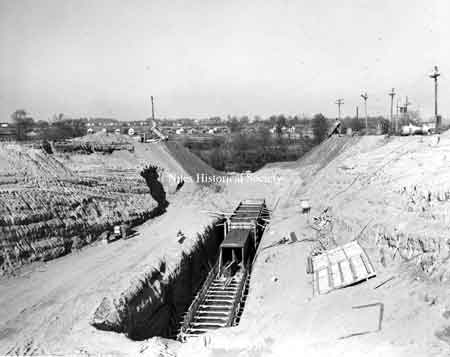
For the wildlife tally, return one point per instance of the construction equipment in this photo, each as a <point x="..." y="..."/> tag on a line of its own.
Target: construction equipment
<point x="417" y="130"/>
<point x="119" y="231"/>
<point x="158" y="132"/>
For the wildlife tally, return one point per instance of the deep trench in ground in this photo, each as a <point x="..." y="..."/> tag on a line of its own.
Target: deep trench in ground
<point x="157" y="309"/>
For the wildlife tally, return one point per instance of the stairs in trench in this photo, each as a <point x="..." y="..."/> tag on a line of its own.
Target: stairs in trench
<point x="216" y="309"/>
<point x="243" y="300"/>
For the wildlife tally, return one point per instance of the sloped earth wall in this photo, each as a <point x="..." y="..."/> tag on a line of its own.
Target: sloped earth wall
<point x="40" y="224"/>
<point x="47" y="211"/>
<point x="154" y="301"/>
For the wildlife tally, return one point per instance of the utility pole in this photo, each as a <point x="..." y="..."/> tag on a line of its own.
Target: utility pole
<point x="435" y="76"/>
<point x="397" y="114"/>
<point x="404" y="110"/>
<point x="407" y="103"/>
<point x="357" y="113"/>
<point x="365" y="96"/>
<point x="153" y="109"/>
<point x="339" y="102"/>
<point x="392" y="94"/>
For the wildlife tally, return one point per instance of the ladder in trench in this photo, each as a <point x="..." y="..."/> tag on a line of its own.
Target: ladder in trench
<point x="221" y="306"/>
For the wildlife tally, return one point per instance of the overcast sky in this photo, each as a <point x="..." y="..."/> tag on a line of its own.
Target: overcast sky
<point x="205" y="58"/>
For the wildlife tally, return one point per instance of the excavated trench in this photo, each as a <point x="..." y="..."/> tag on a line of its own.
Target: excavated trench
<point x="154" y="305"/>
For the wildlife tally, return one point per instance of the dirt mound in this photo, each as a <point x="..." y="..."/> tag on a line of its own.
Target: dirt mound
<point x="104" y="138"/>
<point x="47" y="209"/>
<point x="53" y="203"/>
<point x="175" y="162"/>
<point x="22" y="164"/>
<point x="98" y="142"/>
<point x="393" y="196"/>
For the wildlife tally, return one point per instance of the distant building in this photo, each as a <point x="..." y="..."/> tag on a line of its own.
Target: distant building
<point x="101" y="122"/>
<point x="73" y="121"/>
<point x="210" y="121"/>
<point x="222" y="129"/>
<point x="7" y="132"/>
<point x="98" y="124"/>
<point x="306" y="132"/>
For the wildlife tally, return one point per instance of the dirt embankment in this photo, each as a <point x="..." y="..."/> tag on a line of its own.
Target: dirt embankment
<point x="147" y="280"/>
<point x="392" y="195"/>
<point x="190" y="162"/>
<point x="53" y="204"/>
<point x="153" y="303"/>
<point x="48" y="210"/>
<point x="389" y="193"/>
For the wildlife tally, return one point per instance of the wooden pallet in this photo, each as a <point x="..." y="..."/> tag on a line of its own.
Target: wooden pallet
<point x="340" y="267"/>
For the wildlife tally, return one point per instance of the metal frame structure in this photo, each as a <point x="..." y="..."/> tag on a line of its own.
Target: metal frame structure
<point x="221" y="298"/>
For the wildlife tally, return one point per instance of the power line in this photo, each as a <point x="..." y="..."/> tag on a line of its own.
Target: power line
<point x="403" y="111"/>
<point x="153" y="109"/>
<point x="339" y="102"/>
<point x="392" y="94"/>
<point x="397" y="115"/>
<point x="407" y="103"/>
<point x="365" y="96"/>
<point x="435" y="76"/>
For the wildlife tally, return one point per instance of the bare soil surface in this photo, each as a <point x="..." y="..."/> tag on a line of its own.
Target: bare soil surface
<point x="389" y="193"/>
<point x="46" y="310"/>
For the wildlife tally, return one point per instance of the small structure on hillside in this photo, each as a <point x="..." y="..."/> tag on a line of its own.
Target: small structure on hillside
<point x="306" y="206"/>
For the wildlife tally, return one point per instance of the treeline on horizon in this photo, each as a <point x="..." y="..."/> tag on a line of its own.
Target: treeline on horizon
<point x="57" y="129"/>
<point x="249" y="151"/>
<point x="243" y="150"/>
<point x="61" y="127"/>
<point x="239" y="151"/>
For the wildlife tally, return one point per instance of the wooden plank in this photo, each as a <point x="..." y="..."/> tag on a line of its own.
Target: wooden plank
<point x="340" y="272"/>
<point x="366" y="264"/>
<point x="368" y="260"/>
<point x="337" y="281"/>
<point x="323" y="281"/>
<point x="348" y="276"/>
<point x="353" y="269"/>
<point x="330" y="277"/>
<point x="360" y="269"/>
